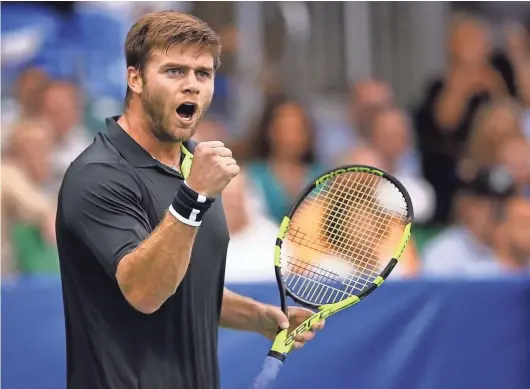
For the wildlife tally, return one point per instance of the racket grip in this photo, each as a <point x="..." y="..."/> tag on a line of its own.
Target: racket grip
<point x="269" y="371"/>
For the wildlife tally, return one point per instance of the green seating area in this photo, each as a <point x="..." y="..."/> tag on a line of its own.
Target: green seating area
<point x="33" y="254"/>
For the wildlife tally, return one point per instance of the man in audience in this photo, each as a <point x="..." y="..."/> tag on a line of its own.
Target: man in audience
<point x="390" y="138"/>
<point x="512" y="237"/>
<point x="63" y="109"/>
<point x="391" y="135"/>
<point x="250" y="255"/>
<point x="514" y="155"/>
<point x="410" y="262"/>
<point x="466" y="249"/>
<point x="26" y="101"/>
<point x="336" y="137"/>
<point x="368" y="97"/>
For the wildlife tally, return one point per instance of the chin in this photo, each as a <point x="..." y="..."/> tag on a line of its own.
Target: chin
<point x="180" y="134"/>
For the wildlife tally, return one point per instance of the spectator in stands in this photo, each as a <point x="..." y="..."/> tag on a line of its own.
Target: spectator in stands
<point x="512" y="236"/>
<point x="28" y="213"/>
<point x="514" y="155"/>
<point x="518" y="50"/>
<point x="337" y="135"/>
<point x="390" y="137"/>
<point x="282" y="149"/>
<point x="27" y="99"/>
<point x="63" y="109"/>
<point x="410" y="263"/>
<point x="368" y="97"/>
<point x="250" y="254"/>
<point x="465" y="249"/>
<point x="444" y="117"/>
<point x="30" y="148"/>
<point x="494" y="124"/>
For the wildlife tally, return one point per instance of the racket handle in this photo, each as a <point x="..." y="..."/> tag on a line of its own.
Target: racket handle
<point x="269" y="371"/>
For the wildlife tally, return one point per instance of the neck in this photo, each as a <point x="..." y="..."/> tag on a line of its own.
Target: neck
<point x="390" y="165"/>
<point x="135" y="123"/>
<point x="285" y="160"/>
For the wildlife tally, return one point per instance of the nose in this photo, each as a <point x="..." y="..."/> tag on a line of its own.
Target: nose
<point x="190" y="85"/>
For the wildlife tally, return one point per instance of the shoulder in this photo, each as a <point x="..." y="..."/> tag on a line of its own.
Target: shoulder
<point x="99" y="181"/>
<point x="451" y="237"/>
<point x="316" y="170"/>
<point x="99" y="163"/>
<point x="92" y="190"/>
<point x="447" y="250"/>
<point x="9" y="171"/>
<point x="256" y="168"/>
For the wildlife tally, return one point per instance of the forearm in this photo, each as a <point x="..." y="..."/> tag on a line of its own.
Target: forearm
<point x="239" y="312"/>
<point x="152" y="273"/>
<point x="449" y="108"/>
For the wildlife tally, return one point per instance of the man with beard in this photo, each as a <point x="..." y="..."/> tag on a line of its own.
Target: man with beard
<point x="512" y="237"/>
<point x="143" y="285"/>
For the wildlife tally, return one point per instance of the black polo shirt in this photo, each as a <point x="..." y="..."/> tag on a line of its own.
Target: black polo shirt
<point x="112" y="197"/>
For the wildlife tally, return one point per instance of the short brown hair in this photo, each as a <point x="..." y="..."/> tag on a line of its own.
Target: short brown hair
<point x="162" y="30"/>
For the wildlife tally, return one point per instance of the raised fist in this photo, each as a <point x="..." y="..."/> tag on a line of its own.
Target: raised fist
<point x="212" y="169"/>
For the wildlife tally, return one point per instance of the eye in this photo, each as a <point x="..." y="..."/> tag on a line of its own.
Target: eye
<point x="203" y="74"/>
<point x="174" y="71"/>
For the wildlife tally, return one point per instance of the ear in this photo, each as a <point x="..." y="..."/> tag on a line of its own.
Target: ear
<point x="134" y="80"/>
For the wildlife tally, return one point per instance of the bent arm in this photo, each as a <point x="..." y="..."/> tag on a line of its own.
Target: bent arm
<point x="239" y="312"/>
<point x="105" y="212"/>
<point x="151" y="274"/>
<point x="450" y="108"/>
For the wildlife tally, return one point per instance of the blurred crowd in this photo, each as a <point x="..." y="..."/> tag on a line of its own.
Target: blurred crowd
<point x="463" y="152"/>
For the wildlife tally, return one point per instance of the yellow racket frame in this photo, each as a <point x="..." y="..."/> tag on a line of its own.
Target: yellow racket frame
<point x="284" y="340"/>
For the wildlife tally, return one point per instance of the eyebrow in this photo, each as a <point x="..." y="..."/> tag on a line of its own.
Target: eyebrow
<point x="179" y="65"/>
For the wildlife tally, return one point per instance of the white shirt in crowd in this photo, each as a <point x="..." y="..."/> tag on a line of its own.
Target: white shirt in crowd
<point x="456" y="253"/>
<point x="250" y="256"/>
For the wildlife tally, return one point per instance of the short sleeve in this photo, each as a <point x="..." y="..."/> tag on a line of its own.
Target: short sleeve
<point x="101" y="206"/>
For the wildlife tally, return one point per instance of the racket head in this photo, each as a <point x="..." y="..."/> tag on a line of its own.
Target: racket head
<point x="343" y="236"/>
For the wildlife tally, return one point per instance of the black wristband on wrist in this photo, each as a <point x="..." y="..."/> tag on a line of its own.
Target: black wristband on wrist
<point x="189" y="206"/>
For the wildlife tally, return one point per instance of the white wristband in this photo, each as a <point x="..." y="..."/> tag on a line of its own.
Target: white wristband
<point x="193" y="223"/>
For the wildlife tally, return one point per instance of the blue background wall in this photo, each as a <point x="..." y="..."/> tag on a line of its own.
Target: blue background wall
<point x="407" y="335"/>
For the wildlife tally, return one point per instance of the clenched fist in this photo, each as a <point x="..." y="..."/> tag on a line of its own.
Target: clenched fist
<point x="212" y="169"/>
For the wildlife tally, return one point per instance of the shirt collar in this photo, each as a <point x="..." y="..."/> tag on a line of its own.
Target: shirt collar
<point x="136" y="154"/>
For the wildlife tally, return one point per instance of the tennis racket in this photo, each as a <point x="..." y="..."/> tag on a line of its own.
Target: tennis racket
<point x="342" y="238"/>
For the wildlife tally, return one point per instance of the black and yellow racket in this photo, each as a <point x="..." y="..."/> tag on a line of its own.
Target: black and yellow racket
<point x="341" y="240"/>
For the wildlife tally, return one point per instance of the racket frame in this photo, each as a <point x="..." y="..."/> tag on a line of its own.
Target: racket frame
<point x="284" y="341"/>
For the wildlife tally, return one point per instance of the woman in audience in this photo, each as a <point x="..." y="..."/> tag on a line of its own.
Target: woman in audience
<point x="282" y="152"/>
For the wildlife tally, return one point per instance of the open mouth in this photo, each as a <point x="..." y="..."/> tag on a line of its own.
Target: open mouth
<point x="186" y="110"/>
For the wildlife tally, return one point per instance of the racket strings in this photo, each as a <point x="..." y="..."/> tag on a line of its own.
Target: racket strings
<point x="315" y="277"/>
<point x="350" y="241"/>
<point x="300" y="238"/>
<point x="305" y="277"/>
<point x="365" y="255"/>
<point x="356" y="217"/>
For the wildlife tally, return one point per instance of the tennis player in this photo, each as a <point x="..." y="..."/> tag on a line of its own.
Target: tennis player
<point x="141" y="230"/>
